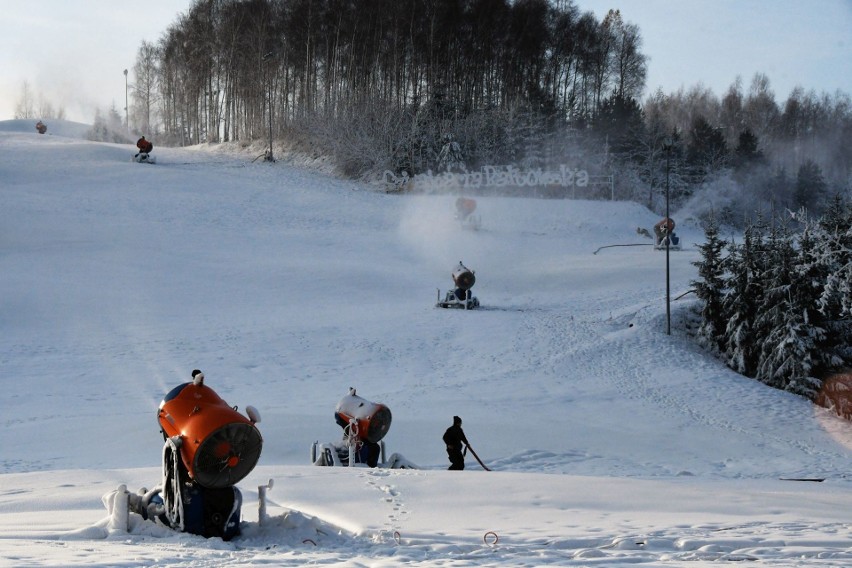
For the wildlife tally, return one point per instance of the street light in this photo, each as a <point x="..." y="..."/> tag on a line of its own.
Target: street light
<point x="269" y="156"/>
<point x="667" y="146"/>
<point x="126" y="122"/>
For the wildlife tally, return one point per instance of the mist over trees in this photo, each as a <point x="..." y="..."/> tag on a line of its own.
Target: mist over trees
<point x="34" y="105"/>
<point x="383" y="85"/>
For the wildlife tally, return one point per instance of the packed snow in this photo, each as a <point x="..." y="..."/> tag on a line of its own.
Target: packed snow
<point x="610" y="442"/>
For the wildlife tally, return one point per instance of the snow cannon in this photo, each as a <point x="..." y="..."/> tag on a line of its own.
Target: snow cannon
<point x="364" y="425"/>
<point x="218" y="445"/>
<point x="460" y="297"/>
<point x="465" y="206"/>
<point x="664" y="233"/>
<point x="366" y="420"/>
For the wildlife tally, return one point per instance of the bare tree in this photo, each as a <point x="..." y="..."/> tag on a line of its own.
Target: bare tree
<point x="25" y="107"/>
<point x="146" y="94"/>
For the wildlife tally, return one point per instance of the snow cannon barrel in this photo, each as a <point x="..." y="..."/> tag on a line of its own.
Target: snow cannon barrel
<point x="463" y="277"/>
<point x="372" y="420"/>
<point x="219" y="446"/>
<point x="666" y="225"/>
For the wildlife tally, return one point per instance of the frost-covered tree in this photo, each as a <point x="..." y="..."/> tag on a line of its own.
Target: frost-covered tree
<point x="786" y="300"/>
<point x="451" y="159"/>
<point x="744" y="292"/>
<point x="787" y="338"/>
<point x="710" y="288"/>
<point x="834" y="255"/>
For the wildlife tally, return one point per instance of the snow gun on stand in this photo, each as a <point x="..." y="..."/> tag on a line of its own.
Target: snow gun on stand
<point x="664" y="234"/>
<point x="465" y="207"/>
<point x="209" y="447"/>
<point x="364" y="425"/>
<point x="461" y="297"/>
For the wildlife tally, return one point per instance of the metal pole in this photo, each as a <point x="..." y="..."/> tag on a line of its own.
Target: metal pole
<point x="668" y="241"/>
<point x="266" y="59"/>
<point x="126" y="122"/>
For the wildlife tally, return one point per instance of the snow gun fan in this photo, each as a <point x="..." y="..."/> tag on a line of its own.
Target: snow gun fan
<point x="364" y="425"/>
<point x="461" y="297"/>
<point x="218" y="445"/>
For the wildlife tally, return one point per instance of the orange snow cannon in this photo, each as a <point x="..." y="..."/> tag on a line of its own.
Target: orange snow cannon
<point x="218" y="445"/>
<point x="367" y="420"/>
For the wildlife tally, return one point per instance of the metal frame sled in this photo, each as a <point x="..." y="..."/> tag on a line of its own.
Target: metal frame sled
<point x="144" y="158"/>
<point x="471" y="222"/>
<point x="345" y="454"/>
<point x="673" y="245"/>
<point x="451" y="300"/>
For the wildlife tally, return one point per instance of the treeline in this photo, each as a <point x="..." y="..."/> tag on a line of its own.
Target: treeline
<point x="386" y="84"/>
<point x="778" y="305"/>
<point x="378" y="83"/>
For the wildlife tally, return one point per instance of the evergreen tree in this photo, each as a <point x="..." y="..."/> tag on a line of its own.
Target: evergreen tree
<point x="707" y="151"/>
<point x="744" y="294"/>
<point x="810" y="278"/>
<point x="834" y="256"/>
<point x="811" y="188"/>
<point x="620" y="123"/>
<point x="451" y="159"/>
<point x="710" y="288"/>
<point x="778" y="189"/>
<point x="789" y="350"/>
<point x="747" y="153"/>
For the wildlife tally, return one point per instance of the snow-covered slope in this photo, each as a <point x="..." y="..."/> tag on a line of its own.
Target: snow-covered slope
<point x="288" y="287"/>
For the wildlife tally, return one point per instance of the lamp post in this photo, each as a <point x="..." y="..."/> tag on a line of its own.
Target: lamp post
<point x="667" y="146"/>
<point x="126" y="122"/>
<point x="269" y="156"/>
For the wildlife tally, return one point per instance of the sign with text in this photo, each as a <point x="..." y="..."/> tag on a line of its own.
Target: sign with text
<point x="490" y="177"/>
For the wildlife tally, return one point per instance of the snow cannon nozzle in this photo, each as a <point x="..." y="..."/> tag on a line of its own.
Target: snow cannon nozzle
<point x="197" y="377"/>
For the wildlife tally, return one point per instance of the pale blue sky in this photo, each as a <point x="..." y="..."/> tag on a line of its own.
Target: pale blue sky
<point x="74" y="52"/>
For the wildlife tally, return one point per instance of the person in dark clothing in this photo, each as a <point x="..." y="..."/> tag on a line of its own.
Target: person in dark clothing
<point x="454" y="438"/>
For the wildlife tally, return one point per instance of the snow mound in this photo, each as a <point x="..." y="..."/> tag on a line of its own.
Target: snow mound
<point x="55" y="127"/>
